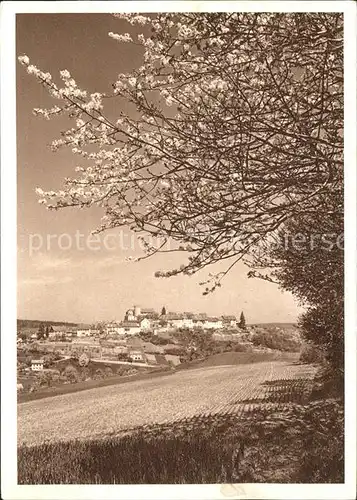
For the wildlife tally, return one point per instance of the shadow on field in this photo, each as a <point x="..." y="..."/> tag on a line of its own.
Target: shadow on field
<point x="281" y="391"/>
<point x="220" y="422"/>
<point x="269" y="446"/>
<point x="221" y="448"/>
<point x="190" y="451"/>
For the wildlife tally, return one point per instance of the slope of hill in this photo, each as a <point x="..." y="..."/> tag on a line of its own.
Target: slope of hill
<point x="110" y="410"/>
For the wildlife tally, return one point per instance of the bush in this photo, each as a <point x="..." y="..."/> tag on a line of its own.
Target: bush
<point x="71" y="374"/>
<point x="324" y="326"/>
<point x="323" y="457"/>
<point x="85" y="374"/>
<point x="276" y="340"/>
<point x="311" y="354"/>
<point x="329" y="383"/>
<point x="242" y="348"/>
<point x="47" y="378"/>
<point x="108" y="371"/>
<point x="132" y="371"/>
<point x="99" y="374"/>
<point x="121" y="370"/>
<point x="123" y="356"/>
<point x="83" y="360"/>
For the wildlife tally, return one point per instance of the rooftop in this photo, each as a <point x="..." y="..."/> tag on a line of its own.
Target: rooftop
<point x="174" y="316"/>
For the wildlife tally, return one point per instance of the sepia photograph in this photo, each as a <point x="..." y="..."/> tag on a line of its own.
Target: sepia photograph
<point x="181" y="208"/>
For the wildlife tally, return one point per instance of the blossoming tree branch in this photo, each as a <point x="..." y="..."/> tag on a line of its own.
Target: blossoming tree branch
<point x="238" y="128"/>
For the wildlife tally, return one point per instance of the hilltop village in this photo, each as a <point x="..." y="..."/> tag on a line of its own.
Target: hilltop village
<point x="143" y="340"/>
<point x="139" y="319"/>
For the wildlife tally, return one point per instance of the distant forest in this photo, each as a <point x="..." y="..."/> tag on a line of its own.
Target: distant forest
<point x="34" y="323"/>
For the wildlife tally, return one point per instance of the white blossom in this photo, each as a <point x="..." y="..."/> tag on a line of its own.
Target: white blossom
<point x="240" y="124"/>
<point x="125" y="37"/>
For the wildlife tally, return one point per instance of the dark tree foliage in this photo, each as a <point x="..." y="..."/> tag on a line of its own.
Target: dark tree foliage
<point x="242" y="323"/>
<point x="41" y="332"/>
<point x="312" y="257"/>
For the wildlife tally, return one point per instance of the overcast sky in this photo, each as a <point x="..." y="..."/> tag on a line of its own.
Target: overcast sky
<point x="79" y="283"/>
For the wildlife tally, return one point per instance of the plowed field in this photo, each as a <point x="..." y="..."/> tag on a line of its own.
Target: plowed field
<point x="201" y="392"/>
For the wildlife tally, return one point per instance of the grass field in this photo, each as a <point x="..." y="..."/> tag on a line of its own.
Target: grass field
<point x="297" y="445"/>
<point x="108" y="411"/>
<point x="225" y="358"/>
<point x="221" y="424"/>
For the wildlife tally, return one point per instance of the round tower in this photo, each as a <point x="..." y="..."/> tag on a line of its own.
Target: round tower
<point x="137" y="311"/>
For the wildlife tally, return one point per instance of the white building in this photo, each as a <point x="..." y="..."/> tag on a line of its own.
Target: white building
<point x="192" y="321"/>
<point x="115" y="329"/>
<point x="84" y="333"/>
<point x="179" y="321"/>
<point x="136" y="356"/>
<point x="145" y="324"/>
<point x="212" y="323"/>
<point x="131" y="327"/>
<point x="198" y="323"/>
<point x="37" y="365"/>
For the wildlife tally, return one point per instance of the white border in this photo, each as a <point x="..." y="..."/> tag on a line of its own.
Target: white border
<point x="10" y="489"/>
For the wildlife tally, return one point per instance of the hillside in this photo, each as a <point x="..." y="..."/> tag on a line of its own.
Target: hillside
<point x="206" y="391"/>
